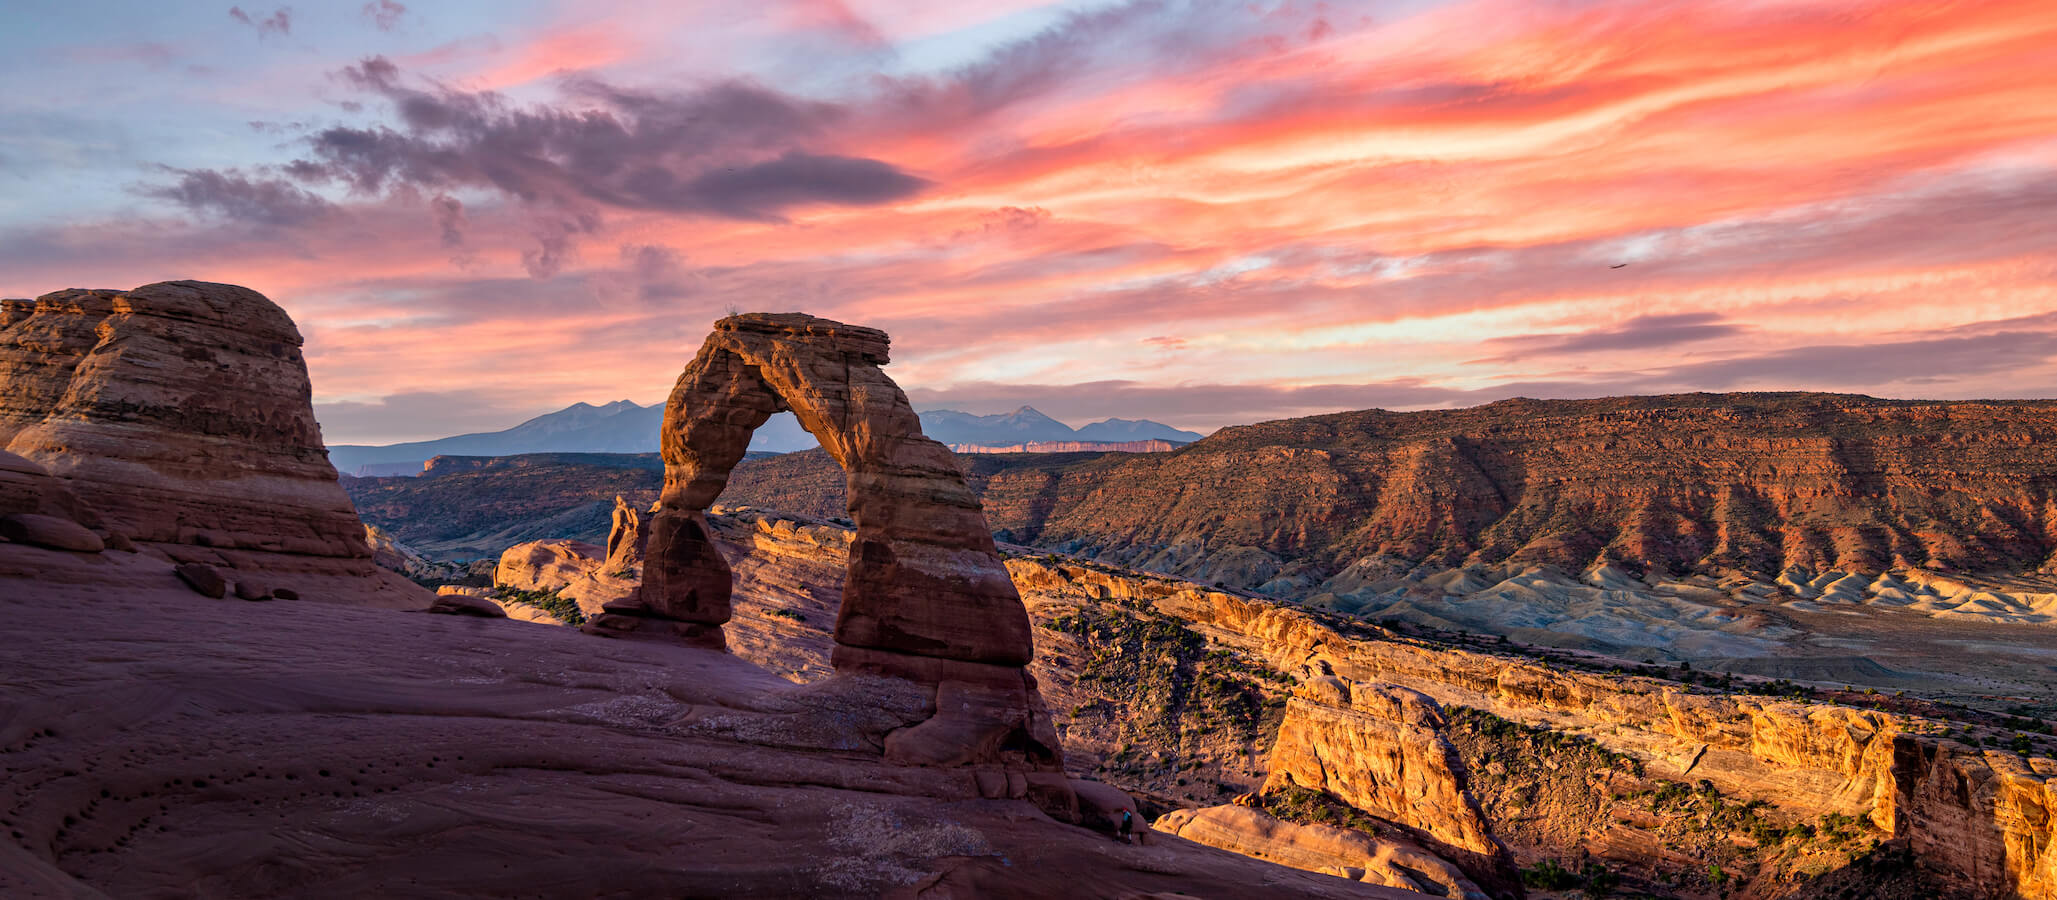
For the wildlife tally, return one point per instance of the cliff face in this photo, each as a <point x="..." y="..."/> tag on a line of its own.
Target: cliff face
<point x="1372" y="724"/>
<point x="1756" y="482"/>
<point x="1190" y="696"/>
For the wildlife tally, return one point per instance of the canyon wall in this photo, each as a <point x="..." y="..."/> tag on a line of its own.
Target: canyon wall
<point x="1982" y="820"/>
<point x="1722" y="482"/>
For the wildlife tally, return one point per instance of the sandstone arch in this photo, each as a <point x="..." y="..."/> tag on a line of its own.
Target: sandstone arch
<point x="925" y="592"/>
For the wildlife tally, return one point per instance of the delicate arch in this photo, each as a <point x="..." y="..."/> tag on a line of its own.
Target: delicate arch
<point x="924" y="578"/>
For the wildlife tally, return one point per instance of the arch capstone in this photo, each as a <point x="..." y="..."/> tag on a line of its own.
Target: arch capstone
<point x="926" y="594"/>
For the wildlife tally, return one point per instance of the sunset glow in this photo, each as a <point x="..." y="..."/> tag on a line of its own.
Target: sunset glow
<point x="1203" y="214"/>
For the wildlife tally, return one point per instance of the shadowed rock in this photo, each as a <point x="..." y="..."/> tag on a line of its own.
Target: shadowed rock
<point x="180" y="413"/>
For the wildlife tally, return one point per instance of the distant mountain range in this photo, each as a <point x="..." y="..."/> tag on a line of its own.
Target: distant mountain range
<point x="1026" y="425"/>
<point x="625" y="427"/>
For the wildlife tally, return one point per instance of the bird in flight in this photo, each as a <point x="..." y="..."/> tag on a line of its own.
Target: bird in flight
<point x="1617" y="265"/>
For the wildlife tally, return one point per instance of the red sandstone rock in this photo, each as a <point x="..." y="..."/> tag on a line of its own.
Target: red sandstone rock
<point x="467" y="605"/>
<point x="203" y="579"/>
<point x="51" y="532"/>
<point x="925" y="594"/>
<point x="180" y="412"/>
<point x="924" y="579"/>
<point x="546" y="565"/>
<point x="625" y="539"/>
<point x="26" y="487"/>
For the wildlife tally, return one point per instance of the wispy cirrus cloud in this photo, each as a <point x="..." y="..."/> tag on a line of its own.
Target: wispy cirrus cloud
<point x="1194" y="211"/>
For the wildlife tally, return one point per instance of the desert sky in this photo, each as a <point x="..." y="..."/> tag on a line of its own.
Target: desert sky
<point x="1200" y="213"/>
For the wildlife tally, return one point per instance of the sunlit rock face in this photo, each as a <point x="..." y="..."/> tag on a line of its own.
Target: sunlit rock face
<point x="924" y="581"/>
<point x="925" y="594"/>
<point x="180" y="414"/>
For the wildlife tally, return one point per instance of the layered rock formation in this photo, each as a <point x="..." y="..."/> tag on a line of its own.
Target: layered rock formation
<point x="1981" y="820"/>
<point x="180" y="414"/>
<point x="1380" y="749"/>
<point x="1752" y="483"/>
<point x="925" y="596"/>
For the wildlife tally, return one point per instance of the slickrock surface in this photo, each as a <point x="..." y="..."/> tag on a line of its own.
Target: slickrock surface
<point x="179" y="413"/>
<point x="27" y="488"/>
<point x="1342" y="852"/>
<point x="548" y="565"/>
<point x="153" y="741"/>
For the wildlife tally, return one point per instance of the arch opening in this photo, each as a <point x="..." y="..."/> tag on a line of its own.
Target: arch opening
<point x="924" y="584"/>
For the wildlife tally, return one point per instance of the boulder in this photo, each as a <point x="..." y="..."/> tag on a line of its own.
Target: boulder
<point x="467" y="605"/>
<point x="1390" y="861"/>
<point x="1101" y="805"/>
<point x="25" y="487"/>
<point x="547" y="565"/>
<point x="203" y="579"/>
<point x="247" y="589"/>
<point x="51" y="532"/>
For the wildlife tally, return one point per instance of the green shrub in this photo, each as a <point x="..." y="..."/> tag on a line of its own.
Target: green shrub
<point x="564" y="608"/>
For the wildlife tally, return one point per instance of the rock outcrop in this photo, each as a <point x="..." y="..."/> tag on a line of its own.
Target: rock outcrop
<point x="1984" y="821"/>
<point x="925" y="582"/>
<point x="926" y="595"/>
<point x="180" y="414"/>
<point x="548" y="565"/>
<point x="625" y="539"/>
<point x="1342" y="852"/>
<point x="1380" y="749"/>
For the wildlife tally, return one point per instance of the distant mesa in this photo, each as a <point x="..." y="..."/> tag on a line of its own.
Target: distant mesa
<point x="1149" y="446"/>
<point x="626" y="427"/>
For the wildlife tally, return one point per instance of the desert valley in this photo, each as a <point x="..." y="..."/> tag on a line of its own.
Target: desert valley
<point x="1028" y="450"/>
<point x="1683" y="646"/>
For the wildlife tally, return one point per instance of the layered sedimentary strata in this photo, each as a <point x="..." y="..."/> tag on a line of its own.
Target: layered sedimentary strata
<point x="1380" y="749"/>
<point x="180" y="414"/>
<point x="925" y="595"/>
<point x="1756" y="483"/>
<point x="1981" y="820"/>
<point x="925" y="580"/>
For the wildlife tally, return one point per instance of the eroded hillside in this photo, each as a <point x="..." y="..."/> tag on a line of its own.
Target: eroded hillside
<point x="1452" y="763"/>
